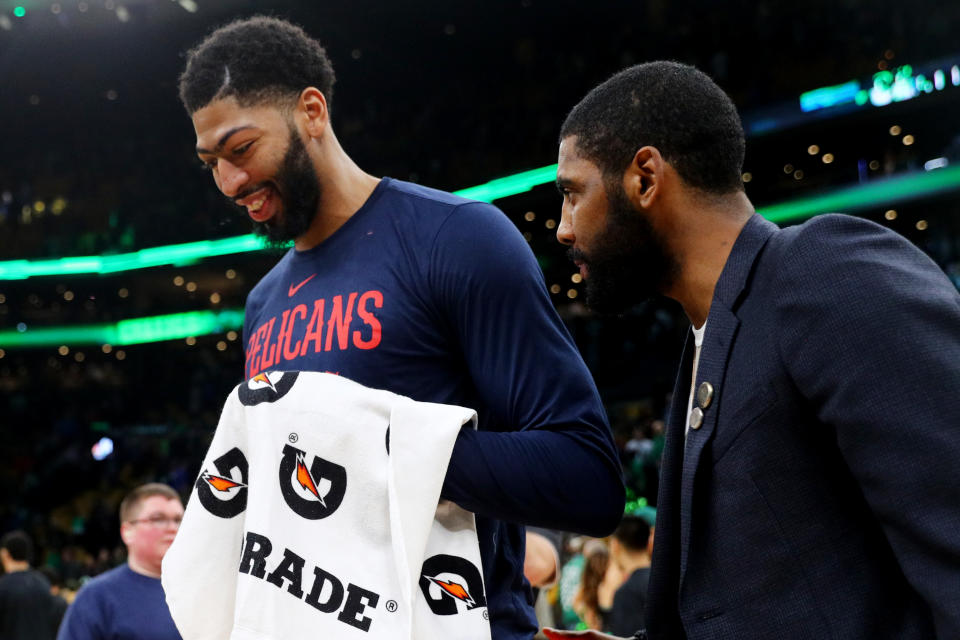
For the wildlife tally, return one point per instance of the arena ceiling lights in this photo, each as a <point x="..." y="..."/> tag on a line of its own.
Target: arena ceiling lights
<point x="880" y="192"/>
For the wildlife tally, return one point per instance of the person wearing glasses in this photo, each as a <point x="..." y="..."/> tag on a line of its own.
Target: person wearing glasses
<point x="128" y="601"/>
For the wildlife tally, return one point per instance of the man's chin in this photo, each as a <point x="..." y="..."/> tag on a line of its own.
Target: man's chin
<point x="275" y="234"/>
<point x="612" y="299"/>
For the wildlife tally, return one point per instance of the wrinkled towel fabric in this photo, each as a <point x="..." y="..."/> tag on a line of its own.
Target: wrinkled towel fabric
<point x="316" y="514"/>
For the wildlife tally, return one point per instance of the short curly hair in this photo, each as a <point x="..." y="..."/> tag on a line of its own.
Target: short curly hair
<point x="255" y="60"/>
<point x="19" y="545"/>
<point x="668" y="105"/>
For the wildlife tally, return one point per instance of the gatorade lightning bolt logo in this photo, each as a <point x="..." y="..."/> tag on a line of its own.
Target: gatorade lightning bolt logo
<point x="220" y="483"/>
<point x="455" y="589"/>
<point x="262" y="378"/>
<point x="451" y="585"/>
<point x="313" y="491"/>
<point x="306" y="480"/>
<point x="222" y="494"/>
<point x="266" y="387"/>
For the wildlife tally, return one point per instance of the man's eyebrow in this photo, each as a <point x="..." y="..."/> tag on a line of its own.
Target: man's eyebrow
<point x="224" y="138"/>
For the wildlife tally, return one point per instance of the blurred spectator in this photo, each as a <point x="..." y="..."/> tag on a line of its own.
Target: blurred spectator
<point x="569" y="584"/>
<point x="541" y="568"/>
<point x="588" y="602"/>
<point x="541" y="563"/>
<point x="26" y="606"/>
<point x="128" y="602"/>
<point x="630" y="549"/>
<point x="642" y="455"/>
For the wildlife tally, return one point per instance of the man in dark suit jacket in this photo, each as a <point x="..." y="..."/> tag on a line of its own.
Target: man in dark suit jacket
<point x="809" y="485"/>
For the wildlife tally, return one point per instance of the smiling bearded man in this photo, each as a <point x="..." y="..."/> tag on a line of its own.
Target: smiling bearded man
<point x="407" y="289"/>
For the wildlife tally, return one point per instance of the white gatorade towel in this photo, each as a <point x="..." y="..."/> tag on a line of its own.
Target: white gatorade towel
<point x="317" y="514"/>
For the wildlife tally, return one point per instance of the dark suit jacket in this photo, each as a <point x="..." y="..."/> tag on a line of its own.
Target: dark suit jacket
<point x="820" y="497"/>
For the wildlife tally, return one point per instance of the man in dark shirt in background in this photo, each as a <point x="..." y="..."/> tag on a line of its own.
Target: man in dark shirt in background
<point x="26" y="606"/>
<point x="630" y="549"/>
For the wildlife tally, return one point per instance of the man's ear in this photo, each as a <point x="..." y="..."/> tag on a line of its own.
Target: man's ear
<point x="127" y="533"/>
<point x="312" y="107"/>
<point x="643" y="178"/>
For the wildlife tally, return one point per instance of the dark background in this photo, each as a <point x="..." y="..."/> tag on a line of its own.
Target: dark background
<point x="446" y="94"/>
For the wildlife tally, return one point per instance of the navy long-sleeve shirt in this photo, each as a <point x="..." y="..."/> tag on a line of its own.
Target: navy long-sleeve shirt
<point x="440" y="299"/>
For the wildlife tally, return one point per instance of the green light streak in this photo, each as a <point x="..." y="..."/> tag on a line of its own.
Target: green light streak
<point x="47" y="336"/>
<point x="863" y="196"/>
<point x="174" y="326"/>
<point x="156" y="256"/>
<point x="177" y="325"/>
<point x="848" y="199"/>
<point x="826" y="97"/>
<point x="510" y="185"/>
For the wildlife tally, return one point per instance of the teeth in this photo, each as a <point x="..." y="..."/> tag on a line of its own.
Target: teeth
<point x="255" y="205"/>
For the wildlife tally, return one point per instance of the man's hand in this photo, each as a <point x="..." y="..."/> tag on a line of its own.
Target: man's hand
<point x="590" y="634"/>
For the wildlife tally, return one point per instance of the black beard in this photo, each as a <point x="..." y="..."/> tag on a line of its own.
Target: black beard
<point x="299" y="191"/>
<point x="629" y="261"/>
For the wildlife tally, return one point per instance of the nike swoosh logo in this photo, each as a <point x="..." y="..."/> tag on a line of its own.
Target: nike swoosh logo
<point x="294" y="289"/>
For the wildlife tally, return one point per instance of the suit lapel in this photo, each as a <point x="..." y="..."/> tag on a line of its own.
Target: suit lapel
<point x="721" y="332"/>
<point x="661" y="612"/>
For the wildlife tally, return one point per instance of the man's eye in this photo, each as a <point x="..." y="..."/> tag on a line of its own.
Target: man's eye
<point x="242" y="148"/>
<point x="208" y="165"/>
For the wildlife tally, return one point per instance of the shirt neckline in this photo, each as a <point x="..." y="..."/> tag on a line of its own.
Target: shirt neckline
<point x="351" y="221"/>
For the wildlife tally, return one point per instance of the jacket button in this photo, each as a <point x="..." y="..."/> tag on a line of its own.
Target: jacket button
<point x="704" y="394"/>
<point x="696" y="418"/>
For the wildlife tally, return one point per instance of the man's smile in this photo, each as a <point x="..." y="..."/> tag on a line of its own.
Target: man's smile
<point x="260" y="204"/>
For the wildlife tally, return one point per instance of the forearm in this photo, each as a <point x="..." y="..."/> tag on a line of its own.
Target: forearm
<point x="556" y="479"/>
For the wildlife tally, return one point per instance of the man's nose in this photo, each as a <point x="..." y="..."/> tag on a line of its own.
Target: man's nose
<point x="565" y="229"/>
<point x="231" y="178"/>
